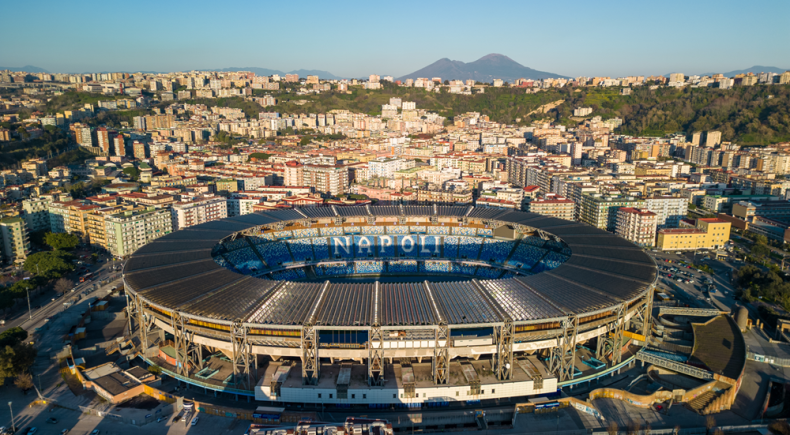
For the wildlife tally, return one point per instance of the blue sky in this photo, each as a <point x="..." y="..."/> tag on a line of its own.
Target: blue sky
<point x="353" y="39"/>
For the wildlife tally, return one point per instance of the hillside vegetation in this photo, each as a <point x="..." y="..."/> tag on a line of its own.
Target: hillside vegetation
<point x="757" y="115"/>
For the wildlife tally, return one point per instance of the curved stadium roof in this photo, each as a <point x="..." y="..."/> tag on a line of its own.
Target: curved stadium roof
<point x="177" y="272"/>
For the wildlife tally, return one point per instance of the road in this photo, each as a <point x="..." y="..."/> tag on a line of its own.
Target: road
<point x="29" y="320"/>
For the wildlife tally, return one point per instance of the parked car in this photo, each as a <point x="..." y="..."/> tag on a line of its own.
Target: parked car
<point x="194" y="421"/>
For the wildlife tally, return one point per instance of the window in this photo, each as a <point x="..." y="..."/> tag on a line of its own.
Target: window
<point x="394" y="396"/>
<point x="353" y="396"/>
<point x="482" y="391"/>
<point x="330" y="395"/>
<point x="456" y="394"/>
<point x="319" y="395"/>
<point x="493" y="391"/>
<point x="364" y="396"/>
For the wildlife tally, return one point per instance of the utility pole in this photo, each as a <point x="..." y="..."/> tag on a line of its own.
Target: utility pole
<point x="29" y="310"/>
<point x="13" y="428"/>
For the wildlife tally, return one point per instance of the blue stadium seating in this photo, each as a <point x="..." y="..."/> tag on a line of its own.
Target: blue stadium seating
<point x="334" y="269"/>
<point x="321" y="248"/>
<point x="261" y="239"/>
<point x="341" y="247"/>
<point x="462" y="269"/>
<point x="450" y="247"/>
<point x="301" y="249"/>
<point x="550" y="261"/>
<point x="428" y="249"/>
<point x="332" y="231"/>
<point x="244" y="260"/>
<point x="469" y="247"/>
<point x="281" y="235"/>
<point x="553" y="244"/>
<point x="274" y="253"/>
<point x="436" y="266"/>
<point x="534" y="241"/>
<point x="373" y="229"/>
<point x="439" y="231"/>
<point x="488" y="272"/>
<point x="366" y="249"/>
<point x="384" y="250"/>
<point x="526" y="256"/>
<point x="402" y="266"/>
<point x="464" y="231"/>
<point x="236" y="244"/>
<point x="221" y="261"/>
<point x="369" y="266"/>
<point x="398" y="229"/>
<point x="306" y="232"/>
<point x="484" y="232"/>
<point x="353" y="230"/>
<point x="495" y="250"/>
<point x="289" y="275"/>
<point x="417" y="229"/>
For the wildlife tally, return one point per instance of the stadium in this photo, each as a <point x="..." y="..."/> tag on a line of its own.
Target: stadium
<point x="389" y="305"/>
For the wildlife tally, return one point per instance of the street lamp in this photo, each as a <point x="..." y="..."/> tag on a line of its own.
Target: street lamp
<point x="13" y="428"/>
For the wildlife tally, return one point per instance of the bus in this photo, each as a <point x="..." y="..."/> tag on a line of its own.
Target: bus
<point x="86" y="277"/>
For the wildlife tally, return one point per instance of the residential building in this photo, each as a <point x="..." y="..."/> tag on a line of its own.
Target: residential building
<point x="637" y="225"/>
<point x="70" y="217"/>
<point x="669" y="210"/>
<point x="15" y="241"/>
<point x="199" y="210"/>
<point x="129" y="230"/>
<point x="708" y="233"/>
<point x="552" y="205"/>
<point x="600" y="211"/>
<point x="36" y="214"/>
<point x="330" y="179"/>
<point x="241" y="205"/>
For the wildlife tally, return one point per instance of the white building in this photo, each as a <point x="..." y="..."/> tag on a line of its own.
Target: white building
<point x="200" y="210"/>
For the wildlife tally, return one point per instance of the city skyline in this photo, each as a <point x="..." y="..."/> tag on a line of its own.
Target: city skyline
<point x="366" y="39"/>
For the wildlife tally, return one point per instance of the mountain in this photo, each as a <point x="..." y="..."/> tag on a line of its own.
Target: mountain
<point x="485" y="69"/>
<point x="267" y="72"/>
<point x="755" y="70"/>
<point x="26" y="68"/>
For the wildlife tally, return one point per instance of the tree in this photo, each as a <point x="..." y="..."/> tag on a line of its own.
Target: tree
<point x="63" y="285"/>
<point x="760" y="250"/>
<point x="49" y="264"/>
<point x="12" y="337"/>
<point x="16" y="360"/>
<point x="24" y="381"/>
<point x="155" y="370"/>
<point x="132" y="172"/>
<point x="60" y="241"/>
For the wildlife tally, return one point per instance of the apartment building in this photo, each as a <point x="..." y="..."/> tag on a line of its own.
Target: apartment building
<point x="70" y="217"/>
<point x="197" y="211"/>
<point x="637" y="225"/>
<point x="129" y="230"/>
<point x="15" y="242"/>
<point x="601" y="211"/>
<point x="708" y="233"/>
<point x="552" y="205"/>
<point x="331" y="179"/>
<point x="36" y="214"/>
<point x="669" y="210"/>
<point x="386" y="167"/>
<point x="241" y="205"/>
<point x="95" y="225"/>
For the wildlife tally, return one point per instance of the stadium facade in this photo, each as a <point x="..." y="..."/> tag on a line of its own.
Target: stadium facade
<point x="456" y="303"/>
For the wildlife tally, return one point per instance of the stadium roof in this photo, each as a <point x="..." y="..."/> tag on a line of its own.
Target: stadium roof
<point x="178" y="272"/>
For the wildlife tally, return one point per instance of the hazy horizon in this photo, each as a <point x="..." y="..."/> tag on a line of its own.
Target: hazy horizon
<point x="358" y="39"/>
